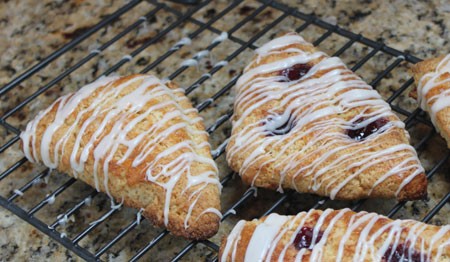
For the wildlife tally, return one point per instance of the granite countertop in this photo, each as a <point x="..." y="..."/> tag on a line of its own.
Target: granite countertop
<point x="31" y="30"/>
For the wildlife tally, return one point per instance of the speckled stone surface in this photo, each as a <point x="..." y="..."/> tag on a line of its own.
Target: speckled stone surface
<point x="31" y="30"/>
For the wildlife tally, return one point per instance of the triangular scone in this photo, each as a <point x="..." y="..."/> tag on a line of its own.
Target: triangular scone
<point x="432" y="77"/>
<point x="302" y="120"/>
<point x="335" y="235"/>
<point x="140" y="141"/>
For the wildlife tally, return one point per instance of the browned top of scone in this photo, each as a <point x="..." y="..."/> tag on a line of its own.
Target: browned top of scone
<point x="302" y="120"/>
<point x="432" y="78"/>
<point x="335" y="235"/>
<point x="140" y="141"/>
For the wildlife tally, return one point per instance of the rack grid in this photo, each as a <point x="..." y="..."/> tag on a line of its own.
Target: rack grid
<point x="184" y="15"/>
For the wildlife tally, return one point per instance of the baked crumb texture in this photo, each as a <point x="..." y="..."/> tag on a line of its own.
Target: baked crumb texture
<point x="140" y="141"/>
<point x="432" y="77"/>
<point x="335" y="235"/>
<point x="302" y="120"/>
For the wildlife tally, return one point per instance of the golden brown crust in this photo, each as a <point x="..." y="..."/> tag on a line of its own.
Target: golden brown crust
<point x="442" y="118"/>
<point x="343" y="235"/>
<point x="265" y="172"/>
<point x="128" y="181"/>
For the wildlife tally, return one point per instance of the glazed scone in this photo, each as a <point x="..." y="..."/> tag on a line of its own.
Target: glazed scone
<point x="140" y="141"/>
<point x="432" y="77"/>
<point x="302" y="120"/>
<point x="335" y="235"/>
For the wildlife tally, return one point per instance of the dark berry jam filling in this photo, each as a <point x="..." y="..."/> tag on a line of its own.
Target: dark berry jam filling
<point x="281" y="128"/>
<point x="305" y="237"/>
<point x="361" y="133"/>
<point x="295" y="72"/>
<point x="401" y="254"/>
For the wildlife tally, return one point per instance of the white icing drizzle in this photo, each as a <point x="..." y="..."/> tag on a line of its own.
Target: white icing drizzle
<point x="195" y="59"/>
<point x="430" y="81"/>
<point x="95" y="51"/>
<point x="195" y="86"/>
<point x="211" y="210"/>
<point x="278" y="43"/>
<point x="63" y="219"/>
<point x="216" y="153"/>
<point x="292" y="225"/>
<point x="18" y="192"/>
<point x="311" y="107"/>
<point x="114" y="207"/>
<point x="373" y="234"/>
<point x="37" y="181"/>
<point x="47" y="177"/>
<point x="184" y="41"/>
<point x="263" y="236"/>
<point x="139" y="216"/>
<point x="201" y="54"/>
<point x="204" y="103"/>
<point x="252" y="188"/>
<point x="206" y="75"/>
<point x="189" y="62"/>
<point x="121" y="115"/>
<point x="88" y="200"/>
<point x="230" y="211"/>
<point x="232" y="241"/>
<point x="317" y="251"/>
<point x="128" y="58"/>
<point x="221" y="63"/>
<point x="51" y="199"/>
<point x="219" y="39"/>
<point x="218" y="121"/>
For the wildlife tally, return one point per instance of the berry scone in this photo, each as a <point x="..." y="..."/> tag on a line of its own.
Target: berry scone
<point x="302" y="120"/>
<point x="335" y="235"/>
<point x="140" y="141"/>
<point x="432" y="77"/>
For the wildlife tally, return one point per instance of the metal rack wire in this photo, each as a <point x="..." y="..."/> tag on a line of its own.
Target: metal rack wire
<point x="187" y="15"/>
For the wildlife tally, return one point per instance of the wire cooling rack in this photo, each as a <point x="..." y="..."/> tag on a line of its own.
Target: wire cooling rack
<point x="244" y="42"/>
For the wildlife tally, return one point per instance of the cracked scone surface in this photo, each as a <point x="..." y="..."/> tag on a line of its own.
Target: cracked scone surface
<point x="302" y="120"/>
<point x="432" y="78"/>
<point x="140" y="141"/>
<point x="335" y="235"/>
